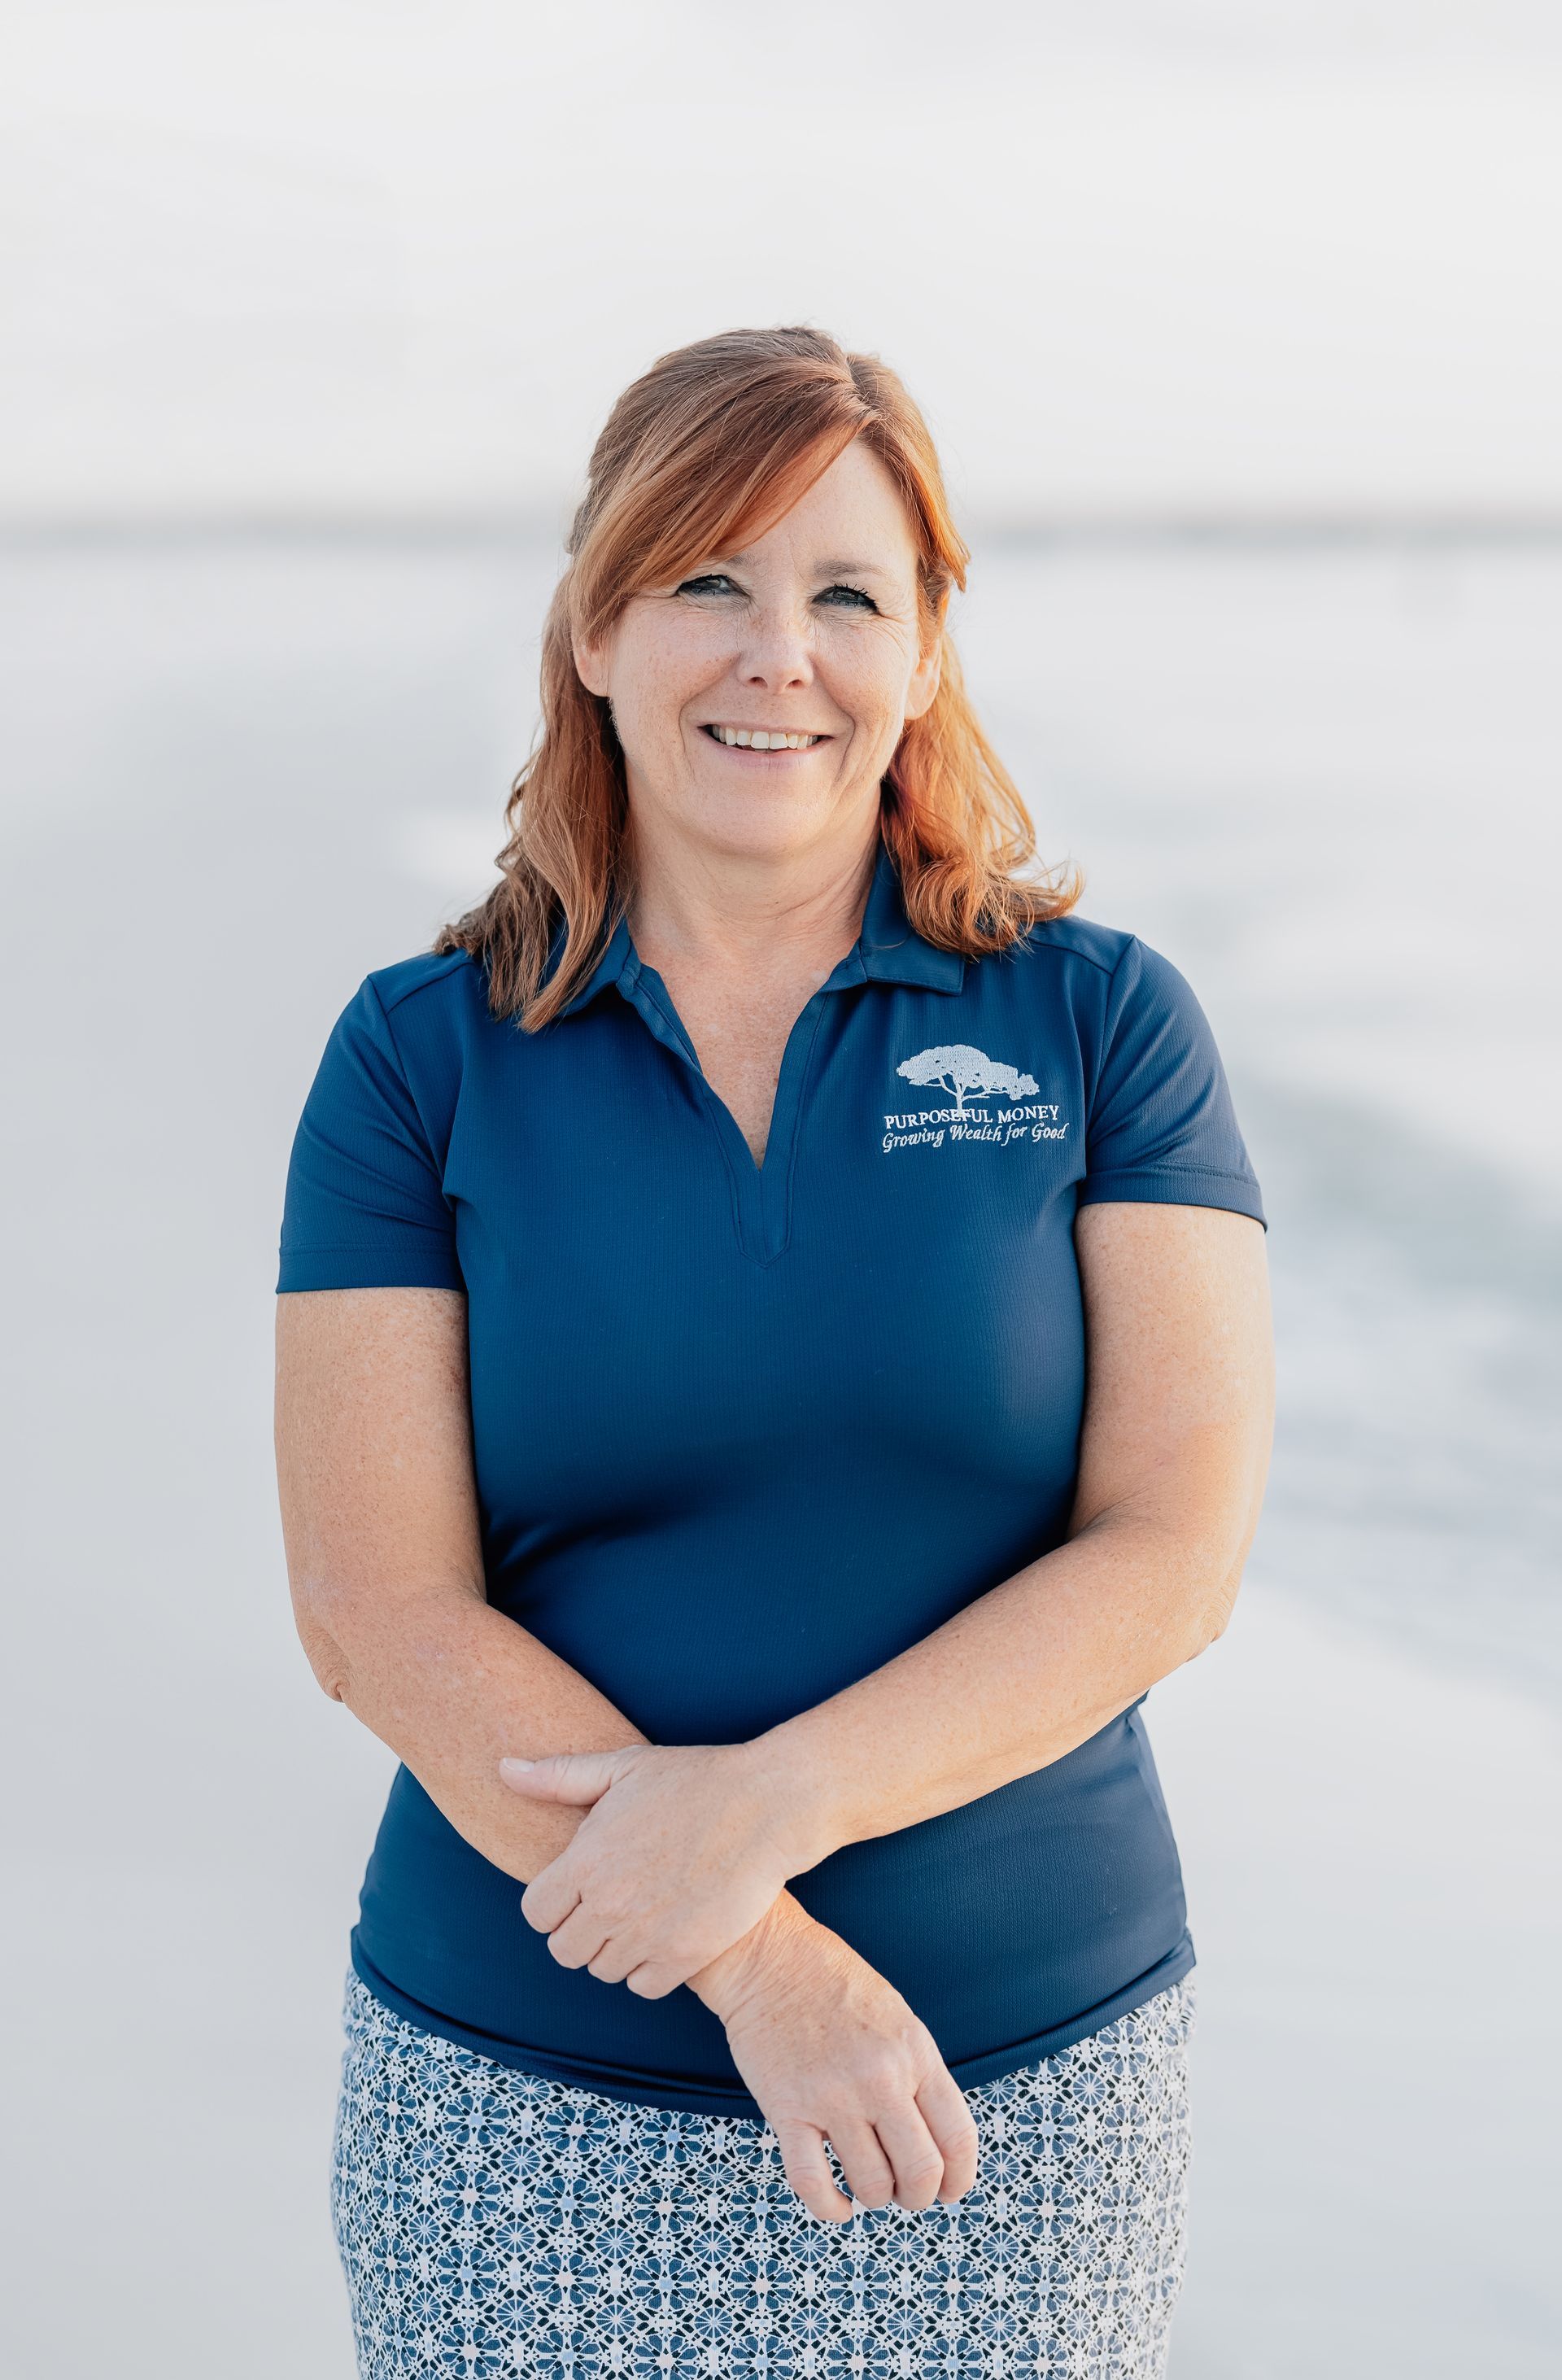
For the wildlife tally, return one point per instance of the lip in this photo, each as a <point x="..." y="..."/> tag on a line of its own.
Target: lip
<point x="745" y="756"/>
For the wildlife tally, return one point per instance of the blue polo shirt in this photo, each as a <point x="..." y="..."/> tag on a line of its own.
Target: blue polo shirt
<point x="741" y="1434"/>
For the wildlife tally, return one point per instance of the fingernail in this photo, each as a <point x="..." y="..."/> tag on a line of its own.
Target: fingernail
<point x="508" y="1763"/>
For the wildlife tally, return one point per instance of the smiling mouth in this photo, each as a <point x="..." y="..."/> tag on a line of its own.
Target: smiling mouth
<point x="763" y="739"/>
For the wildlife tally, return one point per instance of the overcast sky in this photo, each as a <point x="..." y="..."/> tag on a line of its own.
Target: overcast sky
<point x="340" y="259"/>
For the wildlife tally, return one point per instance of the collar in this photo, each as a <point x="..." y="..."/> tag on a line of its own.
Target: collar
<point x="888" y="949"/>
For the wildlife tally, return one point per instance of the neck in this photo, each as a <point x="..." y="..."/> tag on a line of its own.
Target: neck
<point x="696" y="907"/>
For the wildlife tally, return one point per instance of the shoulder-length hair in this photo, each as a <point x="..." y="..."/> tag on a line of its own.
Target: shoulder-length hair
<point x="705" y="451"/>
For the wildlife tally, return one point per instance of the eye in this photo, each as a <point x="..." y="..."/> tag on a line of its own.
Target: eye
<point x="855" y="596"/>
<point x="708" y="582"/>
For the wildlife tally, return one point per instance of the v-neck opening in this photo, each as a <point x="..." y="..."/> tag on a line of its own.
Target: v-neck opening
<point x="761" y="1193"/>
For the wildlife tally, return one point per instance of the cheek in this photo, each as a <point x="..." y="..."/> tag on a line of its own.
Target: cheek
<point x="661" y="678"/>
<point x="869" y="683"/>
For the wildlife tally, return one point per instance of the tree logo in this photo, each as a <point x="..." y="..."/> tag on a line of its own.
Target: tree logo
<point x="958" y="1068"/>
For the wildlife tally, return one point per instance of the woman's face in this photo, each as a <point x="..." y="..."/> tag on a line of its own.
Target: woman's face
<point x="811" y="631"/>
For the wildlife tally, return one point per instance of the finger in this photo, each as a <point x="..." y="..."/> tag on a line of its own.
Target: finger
<point x="916" y="2158"/>
<point x="549" y="1897"/>
<point x="573" y="1776"/>
<point x="947" y="2113"/>
<point x="808" y="2169"/>
<point x="578" y="1940"/>
<point x="868" y="2170"/>
<point x="613" y="1963"/>
<point x="653" y="1981"/>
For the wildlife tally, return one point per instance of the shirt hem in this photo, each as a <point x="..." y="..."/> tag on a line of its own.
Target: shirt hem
<point x="629" y="2085"/>
<point x="1175" y="1186"/>
<point x="366" y="1269"/>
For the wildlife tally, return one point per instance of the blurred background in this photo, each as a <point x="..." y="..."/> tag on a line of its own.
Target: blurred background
<point x="1238" y="323"/>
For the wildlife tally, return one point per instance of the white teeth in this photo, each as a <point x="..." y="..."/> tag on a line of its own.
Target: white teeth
<point x="761" y="739"/>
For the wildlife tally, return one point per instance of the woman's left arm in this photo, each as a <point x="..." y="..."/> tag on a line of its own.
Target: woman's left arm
<point x="1174" y="1451"/>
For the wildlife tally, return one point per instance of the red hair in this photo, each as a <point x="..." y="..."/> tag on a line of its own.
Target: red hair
<point x="703" y="452"/>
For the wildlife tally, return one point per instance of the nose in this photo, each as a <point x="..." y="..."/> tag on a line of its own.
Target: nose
<point x="775" y="653"/>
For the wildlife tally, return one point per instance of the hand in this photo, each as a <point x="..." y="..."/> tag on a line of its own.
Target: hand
<point x="682" y="1851"/>
<point x="826" y="2047"/>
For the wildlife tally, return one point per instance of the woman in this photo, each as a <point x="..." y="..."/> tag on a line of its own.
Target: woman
<point x="773" y="1333"/>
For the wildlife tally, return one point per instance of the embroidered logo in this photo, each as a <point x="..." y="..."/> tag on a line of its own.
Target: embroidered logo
<point x="962" y="1074"/>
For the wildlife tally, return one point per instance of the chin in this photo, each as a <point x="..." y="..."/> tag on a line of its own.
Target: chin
<point x="760" y="831"/>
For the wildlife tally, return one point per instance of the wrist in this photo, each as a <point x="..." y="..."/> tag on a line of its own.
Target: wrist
<point x="792" y="1787"/>
<point x="731" y="1978"/>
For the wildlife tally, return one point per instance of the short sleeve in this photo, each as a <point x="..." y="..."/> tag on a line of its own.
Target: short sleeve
<point x="1162" y="1128"/>
<point x="364" y="1205"/>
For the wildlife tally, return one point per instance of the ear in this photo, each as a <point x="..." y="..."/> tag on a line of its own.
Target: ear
<point x="925" y="680"/>
<point x="590" y="664"/>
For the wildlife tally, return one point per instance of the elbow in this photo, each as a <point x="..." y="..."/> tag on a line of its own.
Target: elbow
<point x="1228" y="1565"/>
<point x="1208" y="1633"/>
<point x="331" y="1670"/>
<point x="331" y="1676"/>
<point x="1215" y="1616"/>
<point x="329" y="1663"/>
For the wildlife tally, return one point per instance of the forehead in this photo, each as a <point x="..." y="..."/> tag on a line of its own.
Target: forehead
<point x="852" y="517"/>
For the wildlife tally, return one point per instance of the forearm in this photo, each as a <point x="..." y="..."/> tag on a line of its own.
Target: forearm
<point x="452" y="1686"/>
<point x="1031" y="1670"/>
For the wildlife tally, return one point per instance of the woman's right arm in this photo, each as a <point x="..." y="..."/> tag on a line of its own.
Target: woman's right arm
<point x="384" y="1559"/>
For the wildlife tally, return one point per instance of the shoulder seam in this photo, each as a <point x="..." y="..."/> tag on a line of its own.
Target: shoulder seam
<point x="406" y="1078"/>
<point x="410" y="990"/>
<point x="391" y="1038"/>
<point x="1062" y="951"/>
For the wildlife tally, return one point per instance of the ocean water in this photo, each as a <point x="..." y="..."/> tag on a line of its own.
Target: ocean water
<point x="1327" y="785"/>
<point x="1325" y="782"/>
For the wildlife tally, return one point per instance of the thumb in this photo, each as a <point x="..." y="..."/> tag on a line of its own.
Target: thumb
<point x="576" y="1777"/>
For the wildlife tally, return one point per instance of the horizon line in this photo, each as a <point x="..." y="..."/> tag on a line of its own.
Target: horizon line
<point x="1254" y="526"/>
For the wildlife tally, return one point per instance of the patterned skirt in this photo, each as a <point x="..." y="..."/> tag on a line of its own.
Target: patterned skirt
<point x="494" y="2223"/>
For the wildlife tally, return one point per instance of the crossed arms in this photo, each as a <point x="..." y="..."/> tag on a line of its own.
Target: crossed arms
<point x="656" y="1865"/>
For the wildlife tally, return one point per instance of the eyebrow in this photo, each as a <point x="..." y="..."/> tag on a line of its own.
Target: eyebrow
<point x="834" y="568"/>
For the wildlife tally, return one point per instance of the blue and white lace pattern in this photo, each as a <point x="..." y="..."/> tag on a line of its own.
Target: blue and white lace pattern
<point x="494" y="2223"/>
